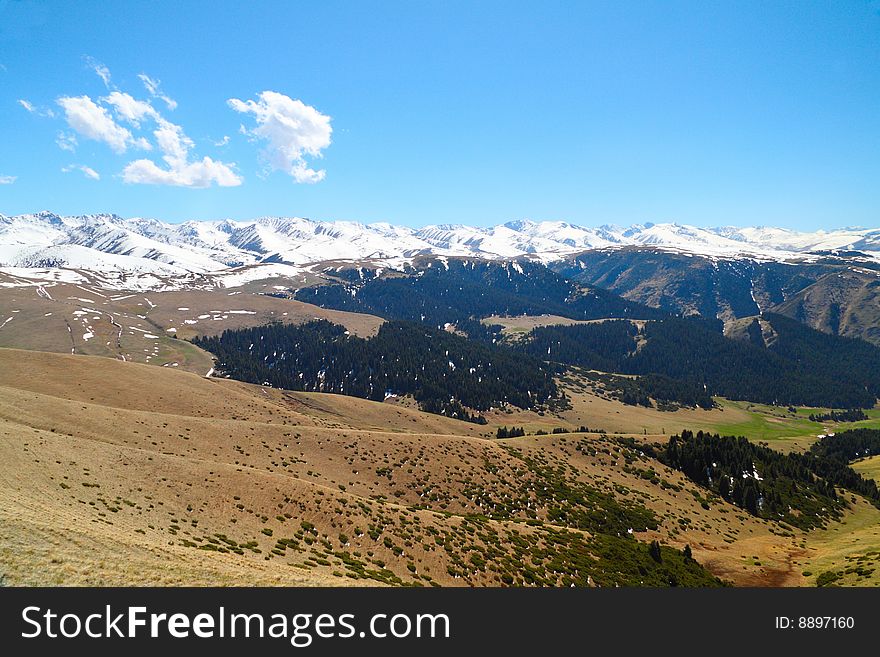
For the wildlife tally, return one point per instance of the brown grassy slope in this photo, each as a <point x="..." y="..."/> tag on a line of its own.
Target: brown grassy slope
<point x="115" y="472"/>
<point x="143" y="326"/>
<point x="844" y="303"/>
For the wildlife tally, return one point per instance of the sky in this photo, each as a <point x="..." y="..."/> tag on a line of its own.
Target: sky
<point x="416" y="113"/>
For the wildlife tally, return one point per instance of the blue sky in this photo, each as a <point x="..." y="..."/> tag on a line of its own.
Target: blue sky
<point x="709" y="113"/>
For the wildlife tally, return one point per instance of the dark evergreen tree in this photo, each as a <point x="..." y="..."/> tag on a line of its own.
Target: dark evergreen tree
<point x="655" y="552"/>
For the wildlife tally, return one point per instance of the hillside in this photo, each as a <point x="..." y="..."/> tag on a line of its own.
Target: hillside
<point x="460" y="292"/>
<point x="145" y="452"/>
<point x="159" y="465"/>
<point x="825" y="279"/>
<point x="84" y="317"/>
<point x="834" y="292"/>
<point x="683" y="284"/>
<point x="845" y="303"/>
<point x="793" y="364"/>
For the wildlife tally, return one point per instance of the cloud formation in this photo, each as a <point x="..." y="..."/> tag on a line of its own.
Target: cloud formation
<point x="129" y="109"/>
<point x="66" y="141"/>
<point x="293" y="134"/>
<point x="33" y="109"/>
<point x="7" y="180"/>
<point x="117" y="118"/>
<point x="88" y="172"/>
<point x="176" y="147"/>
<point x="152" y="87"/>
<point x="94" y="122"/>
<point x="100" y="70"/>
<point x="292" y="130"/>
<point x="202" y="173"/>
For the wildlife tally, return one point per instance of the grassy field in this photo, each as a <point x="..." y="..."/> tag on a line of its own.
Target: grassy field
<point x="850" y="550"/>
<point x="869" y="467"/>
<point x="782" y="429"/>
<point x="520" y="325"/>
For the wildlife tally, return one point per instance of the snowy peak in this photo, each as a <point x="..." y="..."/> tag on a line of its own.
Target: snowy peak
<point x="100" y="241"/>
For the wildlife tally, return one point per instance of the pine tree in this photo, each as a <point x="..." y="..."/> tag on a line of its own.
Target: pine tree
<point x="750" y="498"/>
<point x="724" y="487"/>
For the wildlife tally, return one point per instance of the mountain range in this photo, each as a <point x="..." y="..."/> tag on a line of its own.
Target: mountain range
<point x="108" y="243"/>
<point x="825" y="279"/>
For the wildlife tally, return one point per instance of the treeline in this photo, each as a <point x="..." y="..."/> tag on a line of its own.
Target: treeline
<point x="798" y="489"/>
<point x="444" y="372"/>
<point x="516" y="432"/>
<point x="849" y="415"/>
<point x="693" y="360"/>
<point x="460" y="292"/>
<point x="669" y="393"/>
<point x="847" y="446"/>
<point x="650" y="390"/>
<point x="608" y="347"/>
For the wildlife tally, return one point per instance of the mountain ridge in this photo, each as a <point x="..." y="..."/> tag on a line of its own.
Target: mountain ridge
<point x="46" y="239"/>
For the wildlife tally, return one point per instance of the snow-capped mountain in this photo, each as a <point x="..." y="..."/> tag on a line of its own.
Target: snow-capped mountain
<point x="106" y="242"/>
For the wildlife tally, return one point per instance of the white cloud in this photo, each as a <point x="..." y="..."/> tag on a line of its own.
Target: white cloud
<point x="292" y="130"/>
<point x="88" y="172"/>
<point x="176" y="146"/>
<point x="105" y="120"/>
<point x="94" y="122"/>
<point x="142" y="143"/>
<point x="100" y="70"/>
<point x="66" y="141"/>
<point x="129" y="109"/>
<point x="190" y="174"/>
<point x="33" y="109"/>
<point x="222" y="142"/>
<point x="152" y="86"/>
<point x="7" y="180"/>
<point x="172" y="141"/>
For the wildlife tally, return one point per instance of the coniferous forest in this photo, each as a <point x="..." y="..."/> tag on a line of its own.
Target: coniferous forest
<point x="849" y="415"/>
<point x="676" y="361"/>
<point x="802" y="366"/>
<point x="681" y="361"/>
<point x="847" y="446"/>
<point x="444" y="372"/>
<point x="798" y="489"/>
<point x="460" y="292"/>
